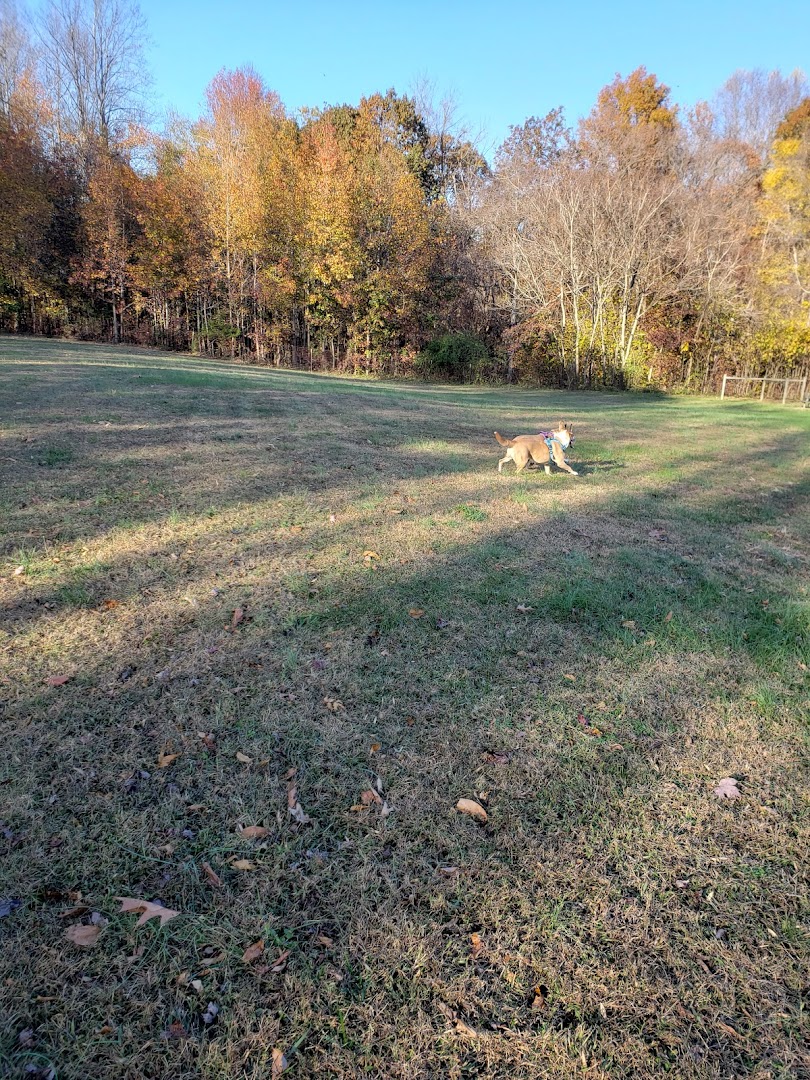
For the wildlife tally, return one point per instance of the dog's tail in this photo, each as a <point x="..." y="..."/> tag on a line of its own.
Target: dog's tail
<point x="502" y="441"/>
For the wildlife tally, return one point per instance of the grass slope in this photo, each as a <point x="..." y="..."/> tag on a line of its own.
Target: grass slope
<point x="593" y="657"/>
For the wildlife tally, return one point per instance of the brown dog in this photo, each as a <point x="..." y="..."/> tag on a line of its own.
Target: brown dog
<point x="543" y="448"/>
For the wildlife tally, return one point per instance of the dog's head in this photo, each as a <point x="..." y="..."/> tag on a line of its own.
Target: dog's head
<point x="565" y="434"/>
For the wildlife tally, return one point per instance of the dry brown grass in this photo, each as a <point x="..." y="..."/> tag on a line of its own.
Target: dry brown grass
<point x="631" y="924"/>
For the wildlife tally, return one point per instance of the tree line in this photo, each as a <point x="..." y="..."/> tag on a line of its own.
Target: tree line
<point x="646" y="247"/>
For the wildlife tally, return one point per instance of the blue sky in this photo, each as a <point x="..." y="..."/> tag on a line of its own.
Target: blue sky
<point x="501" y="61"/>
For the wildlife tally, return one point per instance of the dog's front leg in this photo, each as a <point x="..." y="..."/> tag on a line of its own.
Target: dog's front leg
<point x="560" y="461"/>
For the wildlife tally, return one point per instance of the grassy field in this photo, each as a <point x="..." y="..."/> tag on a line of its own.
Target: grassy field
<point x="228" y="592"/>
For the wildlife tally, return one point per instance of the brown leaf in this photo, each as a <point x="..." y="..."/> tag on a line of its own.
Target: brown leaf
<point x="243" y="864"/>
<point x="571" y="678"/>
<point x="254" y="832"/>
<point x="477" y="945"/>
<point x="333" y="704"/>
<point x="496" y="757"/>
<point x="327" y="942"/>
<point x="208" y="741"/>
<point x="474" y="809"/>
<point x="278" y="1065"/>
<point x="237" y="617"/>
<point x="370" y="796"/>
<point x="74" y="912"/>
<point x="668" y="617"/>
<point x="213" y="877"/>
<point x="165" y="760"/>
<point x="375" y="746"/>
<point x="148" y="910"/>
<point x="448" y="871"/>
<point x="629" y="624"/>
<point x="280" y="963"/>
<point x="727" y="789"/>
<point x="415" y="612"/>
<point x="108" y="605"/>
<point x="243" y="758"/>
<point x="369" y="555"/>
<point x="253" y="952"/>
<point x="294" y="806"/>
<point x="523" y="608"/>
<point x="540" y="995"/>
<point x="58" y="680"/>
<point x="85" y="936"/>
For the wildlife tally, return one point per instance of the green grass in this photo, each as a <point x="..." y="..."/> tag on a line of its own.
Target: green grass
<point x="588" y="657"/>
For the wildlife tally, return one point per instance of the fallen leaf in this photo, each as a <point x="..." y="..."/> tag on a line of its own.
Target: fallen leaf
<point x="327" y="942"/>
<point x="243" y="864"/>
<point x="208" y="740"/>
<point x="290" y="773"/>
<point x="148" y="909"/>
<point x="7" y="905"/>
<point x="474" y="809"/>
<point x="165" y="759"/>
<point x="496" y="757"/>
<point x="668" y="617"/>
<point x="629" y="624"/>
<point x="85" y="936"/>
<point x="477" y="945"/>
<point x="254" y="832"/>
<point x="280" y="963"/>
<point x="539" y="1001"/>
<point x="210" y="1014"/>
<point x="58" y="680"/>
<point x="237" y="617"/>
<point x="333" y="704"/>
<point x="465" y="1029"/>
<point x="415" y="612"/>
<point x="369" y="796"/>
<point x="369" y="555"/>
<point x="175" y="1031"/>
<point x="74" y="912"/>
<point x="727" y="789"/>
<point x="213" y="877"/>
<point x="278" y="1064"/>
<point x="523" y="608"/>
<point x="448" y="871"/>
<point x="375" y="746"/>
<point x="19" y="570"/>
<point x="298" y="813"/>
<point x="243" y="758"/>
<point x="253" y="952"/>
<point x="571" y="678"/>
<point x="197" y="985"/>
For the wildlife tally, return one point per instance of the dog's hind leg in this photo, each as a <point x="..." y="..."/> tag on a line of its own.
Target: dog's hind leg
<point x="503" y="461"/>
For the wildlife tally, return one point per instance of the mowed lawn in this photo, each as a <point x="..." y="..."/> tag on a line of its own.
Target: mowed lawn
<point x="228" y="593"/>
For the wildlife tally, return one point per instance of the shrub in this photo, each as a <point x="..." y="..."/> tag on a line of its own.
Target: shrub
<point x="452" y="357"/>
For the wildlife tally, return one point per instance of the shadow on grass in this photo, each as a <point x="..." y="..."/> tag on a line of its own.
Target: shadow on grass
<point x="474" y="694"/>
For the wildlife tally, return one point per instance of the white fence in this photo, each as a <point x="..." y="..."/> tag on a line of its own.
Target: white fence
<point x="747" y="379"/>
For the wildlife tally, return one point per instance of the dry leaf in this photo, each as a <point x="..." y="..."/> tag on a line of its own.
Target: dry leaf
<point x="415" y="612"/>
<point x="327" y="942"/>
<point x="474" y="809"/>
<point x="298" y="813"/>
<point x="375" y="746"/>
<point x="539" y="1001"/>
<point x="668" y="616"/>
<point x="253" y="953"/>
<point x="19" y="570"/>
<point x="465" y="1029"/>
<point x="448" y="871"/>
<point x="243" y="864"/>
<point x="148" y="910"/>
<point x="280" y="963"/>
<point x="254" y="832"/>
<point x="243" y="758"/>
<point x="370" y="796"/>
<point x="333" y="704"/>
<point x="208" y="740"/>
<point x="237" y="617"/>
<point x="629" y="624"/>
<point x="477" y="945"/>
<point x="727" y="789"/>
<point x="85" y="936"/>
<point x="58" y="680"/>
<point x="523" y="608"/>
<point x="290" y="773"/>
<point x="369" y="555"/>
<point x="165" y="759"/>
<point x="74" y="912"/>
<point x="571" y="678"/>
<point x="212" y="875"/>
<point x="279" y="1064"/>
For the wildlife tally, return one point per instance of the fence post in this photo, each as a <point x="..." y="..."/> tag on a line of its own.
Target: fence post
<point x="803" y="390"/>
<point x="762" y="391"/>
<point x="784" y="392"/>
<point x="723" y="389"/>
